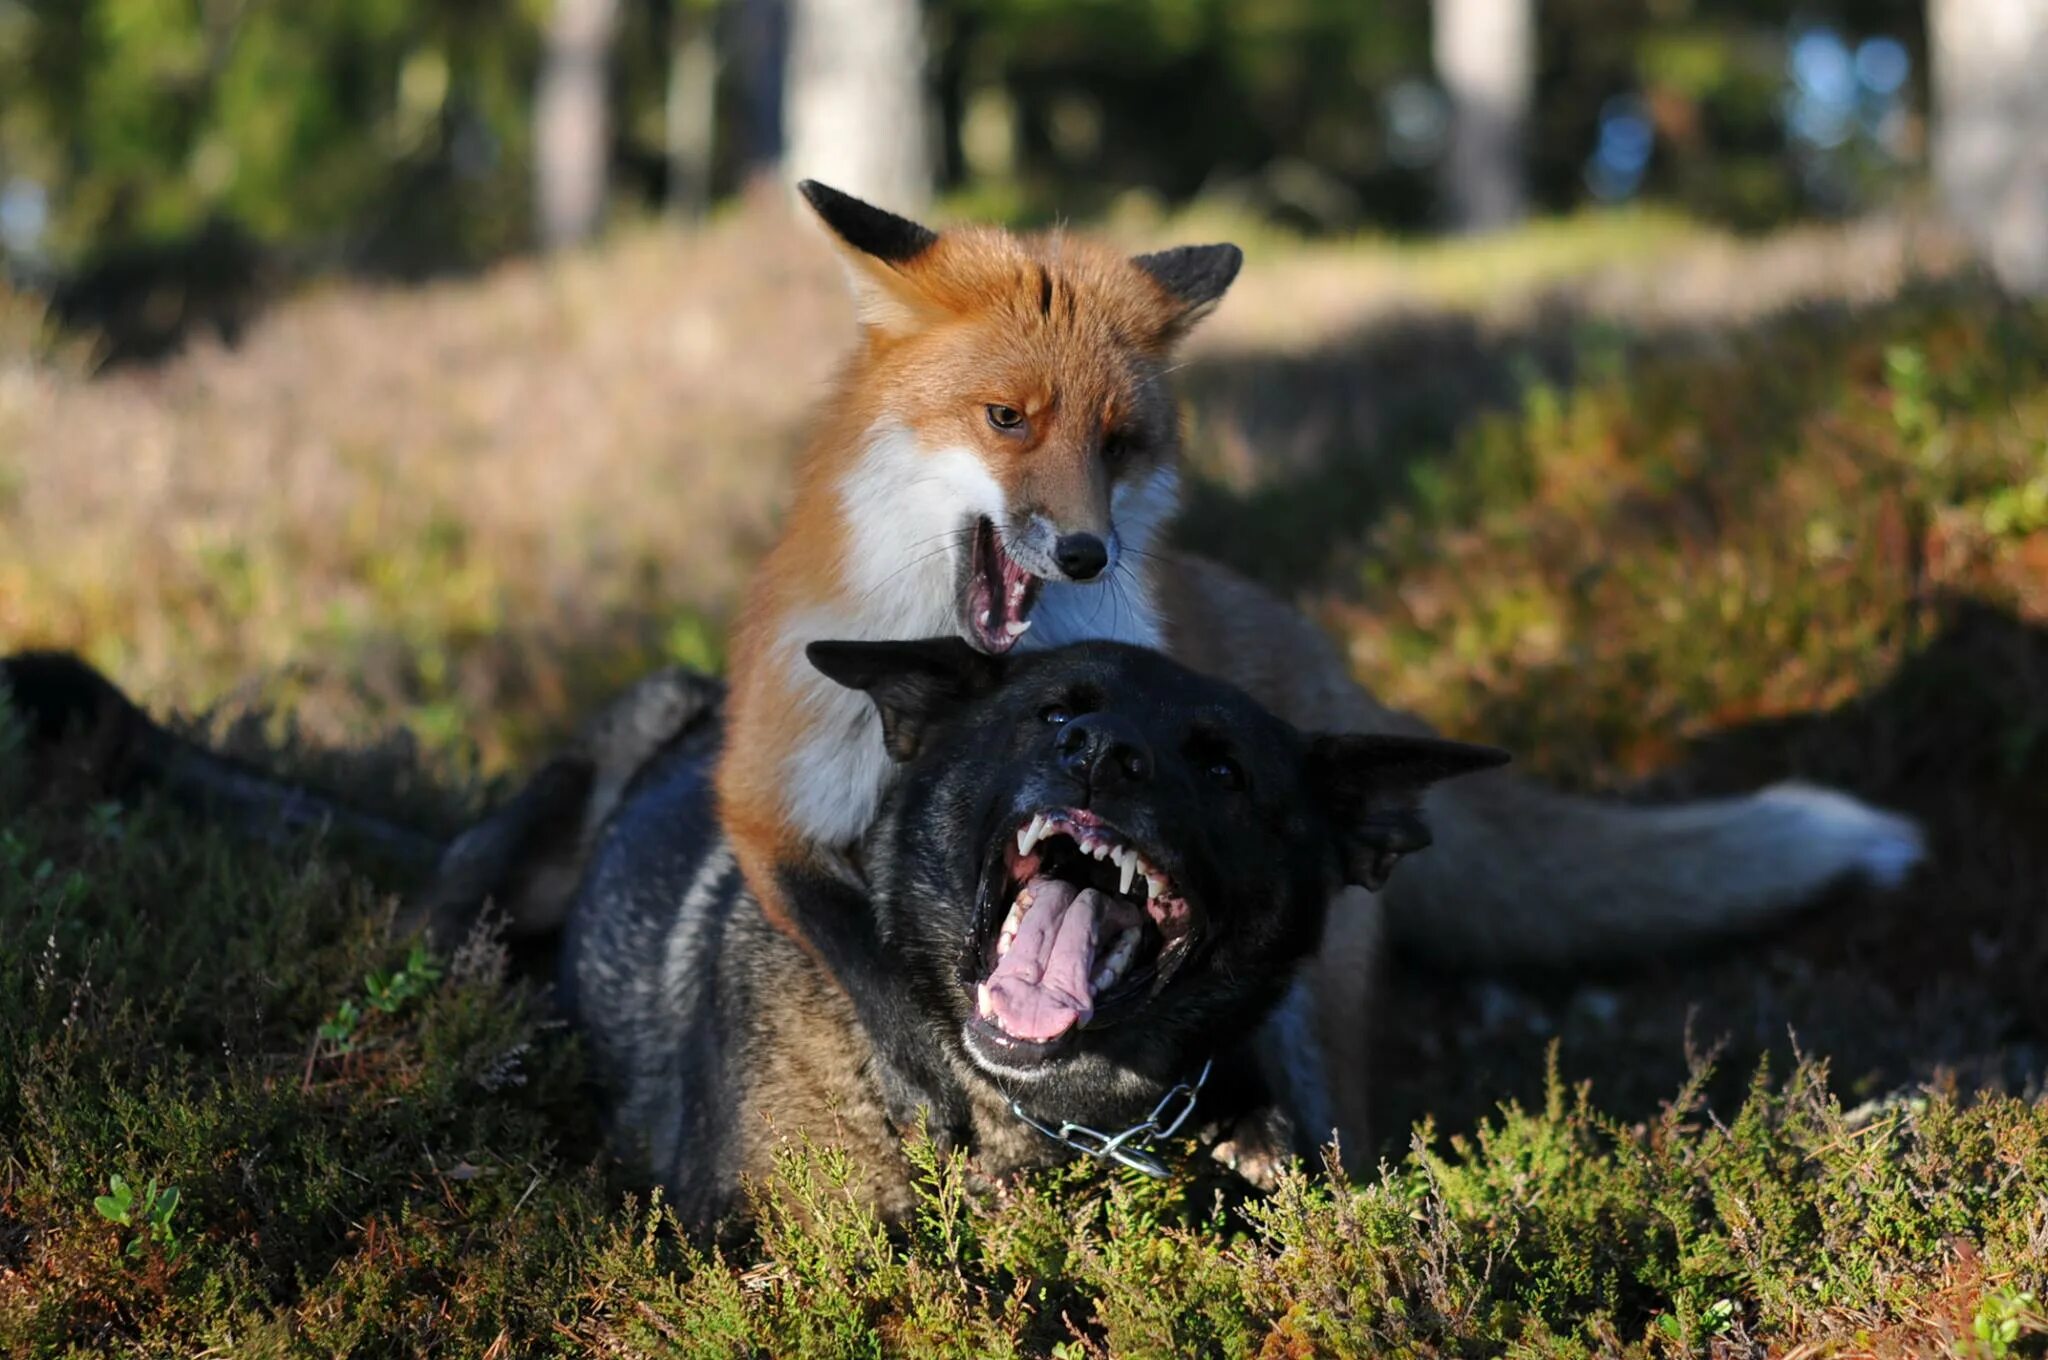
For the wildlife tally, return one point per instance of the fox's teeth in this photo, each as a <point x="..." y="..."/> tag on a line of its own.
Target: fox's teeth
<point x="1099" y="849"/>
<point x="1155" y="884"/>
<point x="1017" y="627"/>
<point x="984" y="618"/>
<point x="1130" y="868"/>
<point x="983" y="1005"/>
<point x="1016" y="591"/>
<point x="1028" y="836"/>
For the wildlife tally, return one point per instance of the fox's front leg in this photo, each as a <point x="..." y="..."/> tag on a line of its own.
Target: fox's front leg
<point x="826" y="911"/>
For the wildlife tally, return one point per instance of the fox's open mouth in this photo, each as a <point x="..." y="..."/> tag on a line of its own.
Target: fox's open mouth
<point x="996" y="598"/>
<point x="1077" y="921"/>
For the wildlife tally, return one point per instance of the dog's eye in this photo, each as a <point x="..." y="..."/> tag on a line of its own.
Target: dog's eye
<point x="1055" y="715"/>
<point x="1005" y="417"/>
<point x="1226" y="772"/>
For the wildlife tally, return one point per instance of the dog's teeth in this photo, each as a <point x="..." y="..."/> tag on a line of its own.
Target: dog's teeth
<point x="1120" y="955"/>
<point x="1155" y="884"/>
<point x="1130" y="868"/>
<point x="1099" y="849"/>
<point x="983" y="1005"/>
<point x="1017" y="627"/>
<point x="1029" y="836"/>
<point x="1012" y="923"/>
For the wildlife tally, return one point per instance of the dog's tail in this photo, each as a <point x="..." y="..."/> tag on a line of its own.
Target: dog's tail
<point x="525" y="856"/>
<point x="1524" y="876"/>
<point x="79" y="726"/>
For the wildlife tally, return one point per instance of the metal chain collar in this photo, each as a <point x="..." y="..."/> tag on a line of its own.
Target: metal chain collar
<point x="1126" y="1147"/>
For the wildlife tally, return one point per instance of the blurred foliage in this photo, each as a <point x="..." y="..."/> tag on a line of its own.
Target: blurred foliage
<point x="389" y="131"/>
<point x="392" y="134"/>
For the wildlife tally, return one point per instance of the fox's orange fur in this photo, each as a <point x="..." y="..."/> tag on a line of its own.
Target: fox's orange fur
<point x="962" y="331"/>
<point x="1064" y="331"/>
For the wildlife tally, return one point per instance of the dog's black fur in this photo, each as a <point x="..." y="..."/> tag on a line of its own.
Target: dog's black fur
<point x="718" y="1036"/>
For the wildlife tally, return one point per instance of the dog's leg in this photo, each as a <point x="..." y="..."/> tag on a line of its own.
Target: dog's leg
<point x="527" y="856"/>
<point x="833" y="921"/>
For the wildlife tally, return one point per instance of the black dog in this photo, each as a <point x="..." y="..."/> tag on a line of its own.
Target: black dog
<point x="1093" y="877"/>
<point x="1094" y="874"/>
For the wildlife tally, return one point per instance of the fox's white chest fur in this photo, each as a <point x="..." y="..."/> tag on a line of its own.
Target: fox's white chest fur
<point x="906" y="512"/>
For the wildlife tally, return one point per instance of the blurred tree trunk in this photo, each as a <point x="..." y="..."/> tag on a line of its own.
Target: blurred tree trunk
<point x="757" y="46"/>
<point x="690" y="121"/>
<point x="571" y="126"/>
<point x="854" y="100"/>
<point x="1990" y="78"/>
<point x="1486" y="58"/>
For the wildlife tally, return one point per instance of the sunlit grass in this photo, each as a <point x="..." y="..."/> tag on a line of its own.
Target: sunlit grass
<point x="1626" y="539"/>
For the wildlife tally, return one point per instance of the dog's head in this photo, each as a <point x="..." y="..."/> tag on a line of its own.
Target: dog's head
<point x="1020" y="380"/>
<point x="1101" y="867"/>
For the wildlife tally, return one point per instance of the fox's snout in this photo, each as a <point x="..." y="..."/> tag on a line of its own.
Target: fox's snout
<point x="1080" y="547"/>
<point x="1063" y="516"/>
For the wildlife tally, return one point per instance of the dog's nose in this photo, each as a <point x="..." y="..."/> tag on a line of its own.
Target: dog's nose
<point x="1081" y="556"/>
<point x="1103" y="752"/>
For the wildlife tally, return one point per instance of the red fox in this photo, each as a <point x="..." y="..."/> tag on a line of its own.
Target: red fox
<point x="997" y="460"/>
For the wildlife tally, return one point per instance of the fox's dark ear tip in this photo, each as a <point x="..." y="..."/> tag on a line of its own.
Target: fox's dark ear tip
<point x="867" y="228"/>
<point x="1195" y="275"/>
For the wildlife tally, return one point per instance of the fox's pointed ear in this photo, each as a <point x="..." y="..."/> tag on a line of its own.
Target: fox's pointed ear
<point x="879" y="247"/>
<point x="1373" y="787"/>
<point x="914" y="685"/>
<point x="870" y="230"/>
<point x="1194" y="277"/>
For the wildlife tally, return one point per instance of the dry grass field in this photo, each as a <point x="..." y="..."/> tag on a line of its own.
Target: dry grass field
<point x="1660" y="510"/>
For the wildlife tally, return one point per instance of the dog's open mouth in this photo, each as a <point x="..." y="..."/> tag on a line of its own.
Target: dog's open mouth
<point x="1091" y="922"/>
<point x="996" y="599"/>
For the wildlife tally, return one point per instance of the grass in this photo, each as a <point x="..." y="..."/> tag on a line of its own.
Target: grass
<point x="1664" y="513"/>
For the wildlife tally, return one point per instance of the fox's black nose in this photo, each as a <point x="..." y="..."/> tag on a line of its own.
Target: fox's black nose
<point x="1103" y="751"/>
<point x="1081" y="556"/>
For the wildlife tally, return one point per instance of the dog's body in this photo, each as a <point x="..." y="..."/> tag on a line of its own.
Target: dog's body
<point x="1098" y="872"/>
<point x="1221" y="836"/>
<point x="999" y="461"/>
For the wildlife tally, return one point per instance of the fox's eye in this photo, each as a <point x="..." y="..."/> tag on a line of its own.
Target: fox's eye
<point x="1005" y="417"/>
<point x="1226" y="772"/>
<point x="1055" y="715"/>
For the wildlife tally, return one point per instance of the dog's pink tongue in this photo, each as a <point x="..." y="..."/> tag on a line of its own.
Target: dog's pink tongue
<point x="1039" y="989"/>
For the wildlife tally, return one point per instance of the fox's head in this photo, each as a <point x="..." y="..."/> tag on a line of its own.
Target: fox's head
<point x="1009" y="389"/>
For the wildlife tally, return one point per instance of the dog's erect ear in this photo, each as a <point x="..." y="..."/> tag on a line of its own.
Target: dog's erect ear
<point x="1373" y="787"/>
<point x="1195" y="277"/>
<point x="914" y="684"/>
<point x="880" y="249"/>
